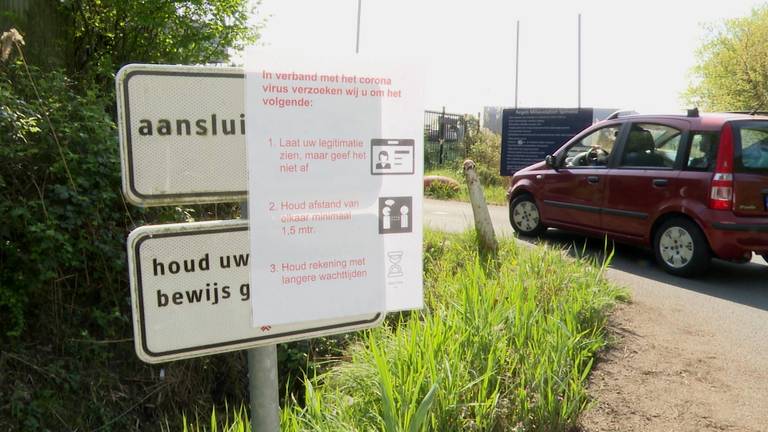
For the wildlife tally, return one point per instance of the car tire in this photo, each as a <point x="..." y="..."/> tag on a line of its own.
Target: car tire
<point x="681" y="247"/>
<point x="525" y="217"/>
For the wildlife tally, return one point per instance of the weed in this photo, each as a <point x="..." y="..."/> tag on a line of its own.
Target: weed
<point x="505" y="344"/>
<point x="494" y="193"/>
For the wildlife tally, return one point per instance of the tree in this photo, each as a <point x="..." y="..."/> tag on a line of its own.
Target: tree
<point x="732" y="69"/>
<point x="92" y="39"/>
<point x="103" y="35"/>
<point x="64" y="312"/>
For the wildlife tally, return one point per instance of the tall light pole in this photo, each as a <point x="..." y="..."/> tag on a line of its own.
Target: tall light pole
<point x="517" y="60"/>
<point x="357" y="44"/>
<point x="579" y="63"/>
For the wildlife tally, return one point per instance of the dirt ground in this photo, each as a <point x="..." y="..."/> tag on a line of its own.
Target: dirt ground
<point x="666" y="375"/>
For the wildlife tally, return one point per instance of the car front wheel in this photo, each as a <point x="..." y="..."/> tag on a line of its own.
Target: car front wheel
<point x="525" y="217"/>
<point x="681" y="248"/>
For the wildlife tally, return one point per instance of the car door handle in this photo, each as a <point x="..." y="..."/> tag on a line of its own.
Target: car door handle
<point x="593" y="179"/>
<point x="660" y="182"/>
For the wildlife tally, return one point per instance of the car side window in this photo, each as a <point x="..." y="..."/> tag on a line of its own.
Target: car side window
<point x="651" y="146"/>
<point x="594" y="149"/>
<point x="703" y="151"/>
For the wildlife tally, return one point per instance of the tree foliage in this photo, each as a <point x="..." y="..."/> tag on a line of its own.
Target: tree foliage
<point x="103" y="35"/>
<point x="59" y="192"/>
<point x="732" y="69"/>
<point x="65" y="318"/>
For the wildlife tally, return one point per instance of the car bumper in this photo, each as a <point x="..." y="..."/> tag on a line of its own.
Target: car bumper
<point x="734" y="237"/>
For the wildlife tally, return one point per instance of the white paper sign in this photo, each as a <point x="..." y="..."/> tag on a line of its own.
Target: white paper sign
<point x="335" y="185"/>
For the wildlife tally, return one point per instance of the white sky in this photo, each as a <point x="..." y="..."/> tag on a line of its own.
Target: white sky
<point x="635" y="54"/>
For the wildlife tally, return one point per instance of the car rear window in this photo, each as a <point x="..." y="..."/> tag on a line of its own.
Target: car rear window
<point x="751" y="146"/>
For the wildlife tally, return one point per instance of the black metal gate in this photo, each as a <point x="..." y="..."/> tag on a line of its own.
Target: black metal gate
<point x="443" y="138"/>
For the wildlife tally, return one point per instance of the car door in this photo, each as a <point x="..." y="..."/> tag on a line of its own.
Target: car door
<point x="644" y="178"/>
<point x="573" y="194"/>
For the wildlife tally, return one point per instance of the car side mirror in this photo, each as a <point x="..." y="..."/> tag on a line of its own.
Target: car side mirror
<point x="551" y="162"/>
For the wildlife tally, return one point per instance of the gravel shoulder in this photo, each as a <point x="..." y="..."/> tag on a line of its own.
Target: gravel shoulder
<point x="672" y="369"/>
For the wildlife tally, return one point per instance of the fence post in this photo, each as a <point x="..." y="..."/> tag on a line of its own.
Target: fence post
<point x="483" y="225"/>
<point x="465" y="128"/>
<point x="441" y="137"/>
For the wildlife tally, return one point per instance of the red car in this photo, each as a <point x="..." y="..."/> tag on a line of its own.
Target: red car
<point x="690" y="187"/>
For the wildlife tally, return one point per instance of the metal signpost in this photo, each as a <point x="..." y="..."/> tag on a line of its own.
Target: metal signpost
<point x="262" y="379"/>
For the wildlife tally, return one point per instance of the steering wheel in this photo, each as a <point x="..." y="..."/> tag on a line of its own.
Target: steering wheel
<point x="596" y="156"/>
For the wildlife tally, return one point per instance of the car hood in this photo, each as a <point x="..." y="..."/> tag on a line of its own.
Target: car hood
<point x="534" y="167"/>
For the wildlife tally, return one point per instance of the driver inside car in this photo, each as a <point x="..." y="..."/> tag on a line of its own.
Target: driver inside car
<point x="598" y="152"/>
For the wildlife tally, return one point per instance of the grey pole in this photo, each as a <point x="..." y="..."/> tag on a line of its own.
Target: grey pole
<point x="517" y="60"/>
<point x="262" y="386"/>
<point x="262" y="380"/>
<point x="357" y="44"/>
<point x="579" y="73"/>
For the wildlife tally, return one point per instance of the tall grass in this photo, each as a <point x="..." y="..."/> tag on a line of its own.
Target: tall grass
<point x="494" y="194"/>
<point x="501" y="345"/>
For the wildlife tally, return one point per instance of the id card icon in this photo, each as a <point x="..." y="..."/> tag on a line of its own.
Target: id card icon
<point x="392" y="156"/>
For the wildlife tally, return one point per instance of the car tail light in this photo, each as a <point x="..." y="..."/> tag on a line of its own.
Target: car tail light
<point x="721" y="192"/>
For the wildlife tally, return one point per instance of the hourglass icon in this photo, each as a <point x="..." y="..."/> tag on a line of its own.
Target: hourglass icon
<point x="395" y="269"/>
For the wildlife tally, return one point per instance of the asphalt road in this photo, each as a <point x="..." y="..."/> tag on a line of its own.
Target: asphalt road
<point x="725" y="310"/>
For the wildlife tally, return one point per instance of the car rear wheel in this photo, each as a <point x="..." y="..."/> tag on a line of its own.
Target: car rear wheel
<point x="525" y="217"/>
<point x="681" y="248"/>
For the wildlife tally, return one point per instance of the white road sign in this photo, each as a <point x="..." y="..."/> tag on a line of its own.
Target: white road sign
<point x="191" y="295"/>
<point x="182" y="134"/>
<point x="335" y="155"/>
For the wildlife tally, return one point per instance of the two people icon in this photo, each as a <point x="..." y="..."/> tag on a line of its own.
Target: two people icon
<point x="386" y="214"/>
<point x="394" y="215"/>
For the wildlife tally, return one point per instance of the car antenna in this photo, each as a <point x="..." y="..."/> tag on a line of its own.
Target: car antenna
<point x="757" y="108"/>
<point x="693" y="112"/>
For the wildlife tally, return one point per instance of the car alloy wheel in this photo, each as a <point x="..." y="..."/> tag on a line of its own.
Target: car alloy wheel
<point x="676" y="247"/>
<point x="681" y="247"/>
<point x="524" y="216"/>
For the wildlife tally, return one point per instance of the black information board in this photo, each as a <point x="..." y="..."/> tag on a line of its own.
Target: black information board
<point x="529" y="134"/>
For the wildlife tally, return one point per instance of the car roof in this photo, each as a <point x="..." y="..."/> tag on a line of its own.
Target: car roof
<point x="704" y="122"/>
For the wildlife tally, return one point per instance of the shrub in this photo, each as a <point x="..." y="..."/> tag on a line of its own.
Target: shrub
<point x="484" y="148"/>
<point x="60" y="195"/>
<point x="442" y="189"/>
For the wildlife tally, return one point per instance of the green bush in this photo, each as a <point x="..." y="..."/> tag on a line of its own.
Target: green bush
<point x="60" y="195"/>
<point x="62" y="264"/>
<point x="442" y="190"/>
<point x="67" y="361"/>
<point x="484" y="148"/>
<point x="64" y="300"/>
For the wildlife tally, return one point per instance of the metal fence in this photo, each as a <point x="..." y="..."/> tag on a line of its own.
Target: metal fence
<point x="443" y="138"/>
